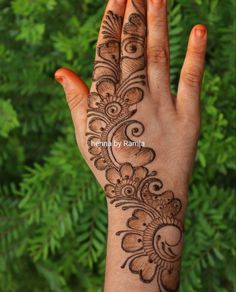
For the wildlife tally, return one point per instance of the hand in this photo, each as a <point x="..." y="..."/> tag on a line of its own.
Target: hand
<point x="130" y="101"/>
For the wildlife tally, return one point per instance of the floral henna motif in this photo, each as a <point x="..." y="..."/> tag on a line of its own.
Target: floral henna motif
<point x="154" y="235"/>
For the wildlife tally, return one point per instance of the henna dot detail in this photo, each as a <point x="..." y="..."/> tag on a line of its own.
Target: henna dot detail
<point x="150" y="261"/>
<point x="156" y="187"/>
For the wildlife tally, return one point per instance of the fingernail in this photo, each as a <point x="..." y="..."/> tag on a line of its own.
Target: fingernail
<point x="60" y="79"/>
<point x="200" y="32"/>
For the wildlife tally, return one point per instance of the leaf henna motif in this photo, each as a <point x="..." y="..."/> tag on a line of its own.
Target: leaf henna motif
<point x="154" y="235"/>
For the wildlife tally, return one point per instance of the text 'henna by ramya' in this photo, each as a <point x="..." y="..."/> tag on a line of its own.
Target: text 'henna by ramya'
<point x="153" y="238"/>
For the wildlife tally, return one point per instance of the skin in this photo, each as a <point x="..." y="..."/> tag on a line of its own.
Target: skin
<point x="172" y="124"/>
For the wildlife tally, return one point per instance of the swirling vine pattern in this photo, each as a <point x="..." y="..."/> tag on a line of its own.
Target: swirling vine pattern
<point x="153" y="238"/>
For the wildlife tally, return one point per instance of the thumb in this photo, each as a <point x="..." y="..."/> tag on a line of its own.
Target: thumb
<point x="75" y="89"/>
<point x="76" y="92"/>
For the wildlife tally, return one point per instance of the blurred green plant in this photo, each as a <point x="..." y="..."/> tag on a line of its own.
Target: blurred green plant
<point x="53" y="214"/>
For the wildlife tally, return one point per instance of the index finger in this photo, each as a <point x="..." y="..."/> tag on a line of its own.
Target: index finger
<point x="108" y="46"/>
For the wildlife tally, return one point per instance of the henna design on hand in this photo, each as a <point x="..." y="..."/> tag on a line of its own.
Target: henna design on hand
<point x="154" y="235"/>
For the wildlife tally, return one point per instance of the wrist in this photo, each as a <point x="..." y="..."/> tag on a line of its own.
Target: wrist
<point x="146" y="243"/>
<point x="145" y="226"/>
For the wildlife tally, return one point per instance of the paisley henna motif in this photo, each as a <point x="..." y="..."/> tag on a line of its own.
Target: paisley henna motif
<point x="154" y="235"/>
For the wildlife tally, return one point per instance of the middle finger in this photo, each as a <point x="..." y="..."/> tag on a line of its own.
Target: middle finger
<point x="133" y="45"/>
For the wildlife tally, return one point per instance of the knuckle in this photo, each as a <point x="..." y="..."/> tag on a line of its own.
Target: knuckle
<point x="191" y="126"/>
<point x="73" y="99"/>
<point x="157" y="19"/>
<point x="197" y="52"/>
<point x="158" y="55"/>
<point x="160" y="22"/>
<point x="192" y="78"/>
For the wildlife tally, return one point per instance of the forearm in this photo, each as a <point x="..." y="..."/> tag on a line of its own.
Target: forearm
<point x="144" y="247"/>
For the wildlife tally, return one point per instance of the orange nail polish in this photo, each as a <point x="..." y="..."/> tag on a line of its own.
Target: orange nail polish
<point x="59" y="79"/>
<point x="200" y="32"/>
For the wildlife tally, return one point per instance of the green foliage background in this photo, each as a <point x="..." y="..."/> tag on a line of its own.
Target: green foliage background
<point x="52" y="212"/>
